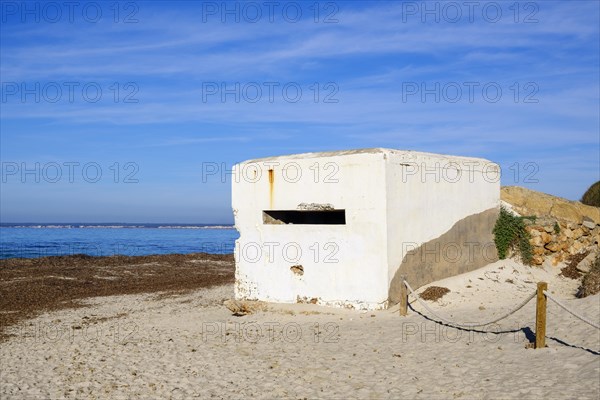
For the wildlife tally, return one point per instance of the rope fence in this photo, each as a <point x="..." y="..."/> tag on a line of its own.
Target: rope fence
<point x="540" y="324"/>
<point x="468" y="324"/>
<point x="573" y="313"/>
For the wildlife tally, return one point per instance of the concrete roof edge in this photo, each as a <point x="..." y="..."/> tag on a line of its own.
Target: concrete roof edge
<point x="372" y="150"/>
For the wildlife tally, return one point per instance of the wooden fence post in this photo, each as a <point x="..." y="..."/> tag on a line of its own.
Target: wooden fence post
<point x="403" y="297"/>
<point x="540" y="316"/>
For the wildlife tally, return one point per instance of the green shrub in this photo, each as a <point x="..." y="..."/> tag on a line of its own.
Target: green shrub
<point x="510" y="234"/>
<point x="592" y="196"/>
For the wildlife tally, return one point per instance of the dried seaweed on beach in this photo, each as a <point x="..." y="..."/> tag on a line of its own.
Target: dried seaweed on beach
<point x="31" y="286"/>
<point x="241" y="308"/>
<point x="434" y="293"/>
<point x="590" y="284"/>
<point x="571" y="270"/>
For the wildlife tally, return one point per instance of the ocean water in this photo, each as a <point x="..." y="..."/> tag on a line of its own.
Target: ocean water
<point x="40" y="240"/>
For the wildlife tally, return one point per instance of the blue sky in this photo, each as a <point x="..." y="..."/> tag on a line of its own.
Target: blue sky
<point x="134" y="91"/>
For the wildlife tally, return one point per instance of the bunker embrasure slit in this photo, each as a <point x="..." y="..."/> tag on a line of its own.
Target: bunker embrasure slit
<point x="297" y="217"/>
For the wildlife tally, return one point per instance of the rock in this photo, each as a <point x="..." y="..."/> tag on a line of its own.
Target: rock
<point x="590" y="284"/>
<point x="579" y="224"/>
<point x="585" y="264"/>
<point x="577" y="233"/>
<point x="530" y="202"/>
<point x="545" y="222"/>
<point x="536" y="241"/>
<point x="546" y="238"/>
<point x="589" y="212"/>
<point x="514" y="195"/>
<point x="567" y="232"/>
<point x="556" y="259"/>
<point x="566" y="211"/>
<point x="588" y="223"/>
<point x="575" y="248"/>
<point x="585" y="229"/>
<point x="537" y="260"/>
<point x="539" y="205"/>
<point x="534" y="232"/>
<point x="553" y="246"/>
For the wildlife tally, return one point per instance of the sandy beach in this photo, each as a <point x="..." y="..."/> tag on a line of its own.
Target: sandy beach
<point x="187" y="344"/>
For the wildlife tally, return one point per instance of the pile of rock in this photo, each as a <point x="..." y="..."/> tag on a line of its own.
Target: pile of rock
<point x="561" y="228"/>
<point x="560" y="239"/>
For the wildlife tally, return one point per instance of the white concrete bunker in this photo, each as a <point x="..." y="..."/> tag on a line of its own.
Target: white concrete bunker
<point x="341" y="228"/>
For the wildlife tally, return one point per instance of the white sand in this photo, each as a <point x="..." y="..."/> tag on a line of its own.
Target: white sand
<point x="185" y="346"/>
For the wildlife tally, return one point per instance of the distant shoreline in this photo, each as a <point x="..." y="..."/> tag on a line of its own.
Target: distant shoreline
<point x="74" y="258"/>
<point x="113" y="225"/>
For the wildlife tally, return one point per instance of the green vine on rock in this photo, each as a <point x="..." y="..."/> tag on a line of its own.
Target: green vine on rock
<point x="510" y="234"/>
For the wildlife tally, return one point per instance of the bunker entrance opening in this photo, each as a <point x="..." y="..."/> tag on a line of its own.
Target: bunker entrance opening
<point x="296" y="217"/>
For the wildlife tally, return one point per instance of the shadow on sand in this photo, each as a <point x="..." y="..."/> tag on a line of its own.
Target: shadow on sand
<point x="526" y="331"/>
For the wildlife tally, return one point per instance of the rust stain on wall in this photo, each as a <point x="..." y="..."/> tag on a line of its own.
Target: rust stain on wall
<point x="271" y="183"/>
